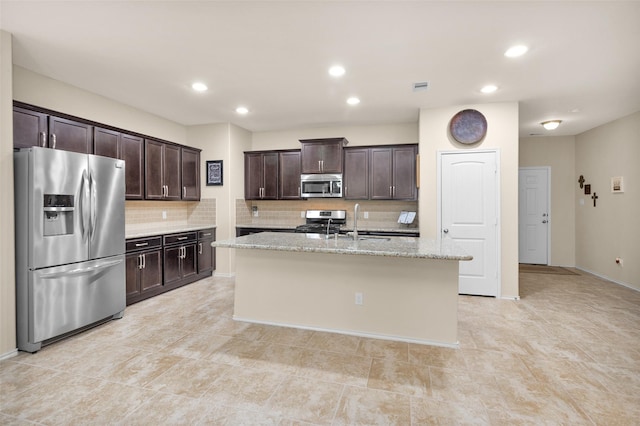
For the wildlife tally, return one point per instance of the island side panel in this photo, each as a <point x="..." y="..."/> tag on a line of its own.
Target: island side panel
<point x="403" y="298"/>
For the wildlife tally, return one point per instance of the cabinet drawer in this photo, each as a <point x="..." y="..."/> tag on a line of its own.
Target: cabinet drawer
<point x="180" y="238"/>
<point x="206" y="233"/>
<point x="136" y="244"/>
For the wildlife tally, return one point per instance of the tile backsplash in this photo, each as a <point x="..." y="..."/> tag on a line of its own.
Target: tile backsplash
<point x="381" y="214"/>
<point x="148" y="215"/>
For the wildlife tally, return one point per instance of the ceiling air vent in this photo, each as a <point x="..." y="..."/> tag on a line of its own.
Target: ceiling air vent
<point x="423" y="85"/>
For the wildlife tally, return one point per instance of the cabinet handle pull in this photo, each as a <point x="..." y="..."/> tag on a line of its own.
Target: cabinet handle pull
<point x="199" y="248"/>
<point x="141" y="244"/>
<point x="182" y="238"/>
<point x="167" y="186"/>
<point x="43" y="139"/>
<point x="144" y="261"/>
<point x="208" y="234"/>
<point x="53" y="140"/>
<point x="139" y="261"/>
<point x="184" y="192"/>
<point x="390" y="191"/>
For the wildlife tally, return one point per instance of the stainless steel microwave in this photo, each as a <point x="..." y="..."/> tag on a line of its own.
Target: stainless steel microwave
<point x="321" y="186"/>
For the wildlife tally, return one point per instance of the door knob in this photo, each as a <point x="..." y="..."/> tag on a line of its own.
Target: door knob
<point x="544" y="221"/>
<point x="446" y="231"/>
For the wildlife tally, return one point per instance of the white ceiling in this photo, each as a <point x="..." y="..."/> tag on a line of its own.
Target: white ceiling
<point x="273" y="58"/>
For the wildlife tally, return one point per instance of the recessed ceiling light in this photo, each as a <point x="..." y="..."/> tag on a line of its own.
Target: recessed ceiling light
<point x="242" y="110"/>
<point x="574" y="110"/>
<point x="337" y="71"/>
<point x="551" y="124"/>
<point x="489" y="88"/>
<point x="353" y="101"/>
<point x="515" y="51"/>
<point x="199" y="87"/>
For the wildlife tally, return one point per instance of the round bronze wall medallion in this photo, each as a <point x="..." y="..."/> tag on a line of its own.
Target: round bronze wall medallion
<point x="468" y="126"/>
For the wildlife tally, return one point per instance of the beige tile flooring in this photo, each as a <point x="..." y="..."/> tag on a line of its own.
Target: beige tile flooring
<point x="568" y="352"/>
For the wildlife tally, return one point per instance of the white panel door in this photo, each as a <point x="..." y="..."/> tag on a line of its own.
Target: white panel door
<point x="469" y="215"/>
<point x="533" y="216"/>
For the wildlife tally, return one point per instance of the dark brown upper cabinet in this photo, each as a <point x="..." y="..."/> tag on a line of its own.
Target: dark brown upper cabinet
<point x="106" y="142"/>
<point x="393" y="172"/>
<point x="261" y="175"/>
<point x="190" y="170"/>
<point x="356" y="173"/>
<point x="69" y="135"/>
<point x="162" y="171"/>
<point x="289" y="175"/>
<point x="34" y="128"/>
<point x="30" y="128"/>
<point x="322" y="155"/>
<point x="132" y="152"/>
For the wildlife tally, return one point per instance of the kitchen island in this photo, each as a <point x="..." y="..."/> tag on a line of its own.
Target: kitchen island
<point x="397" y="288"/>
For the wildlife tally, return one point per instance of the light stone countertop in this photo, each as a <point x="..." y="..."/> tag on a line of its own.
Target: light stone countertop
<point x="345" y="229"/>
<point x="421" y="248"/>
<point x="133" y="231"/>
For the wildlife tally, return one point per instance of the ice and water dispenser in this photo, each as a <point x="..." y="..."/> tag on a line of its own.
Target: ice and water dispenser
<point x="58" y="212"/>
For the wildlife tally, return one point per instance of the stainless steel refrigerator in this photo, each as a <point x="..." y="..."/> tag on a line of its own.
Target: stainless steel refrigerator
<point x="70" y="243"/>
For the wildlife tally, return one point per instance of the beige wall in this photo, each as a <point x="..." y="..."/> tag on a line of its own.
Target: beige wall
<point x="356" y="135"/>
<point x="502" y="134"/>
<point x="224" y="142"/>
<point x="7" y="251"/>
<point x="36" y="89"/>
<point x="557" y="153"/>
<point x="612" y="228"/>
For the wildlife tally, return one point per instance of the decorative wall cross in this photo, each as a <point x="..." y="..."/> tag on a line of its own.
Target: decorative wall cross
<point x="594" y="197"/>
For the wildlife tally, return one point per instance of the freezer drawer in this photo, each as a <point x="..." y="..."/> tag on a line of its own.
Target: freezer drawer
<point x="64" y="298"/>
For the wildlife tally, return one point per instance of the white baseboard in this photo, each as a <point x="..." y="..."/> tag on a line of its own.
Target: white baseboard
<point x="9" y="354"/>
<point x="604" y="277"/>
<point x="224" y="275"/>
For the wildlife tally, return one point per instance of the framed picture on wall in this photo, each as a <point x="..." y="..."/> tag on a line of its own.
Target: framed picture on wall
<point x="214" y="172"/>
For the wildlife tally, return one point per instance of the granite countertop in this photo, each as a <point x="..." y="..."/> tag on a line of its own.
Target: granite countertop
<point x="133" y="231"/>
<point x="360" y="228"/>
<point x="422" y="248"/>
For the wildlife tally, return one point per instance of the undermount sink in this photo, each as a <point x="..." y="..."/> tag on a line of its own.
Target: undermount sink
<point x="364" y="237"/>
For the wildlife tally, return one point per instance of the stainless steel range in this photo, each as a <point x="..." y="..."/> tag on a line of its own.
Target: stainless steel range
<point x="323" y="221"/>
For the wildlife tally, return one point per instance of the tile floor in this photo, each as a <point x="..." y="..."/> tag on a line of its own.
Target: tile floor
<point x="568" y="352"/>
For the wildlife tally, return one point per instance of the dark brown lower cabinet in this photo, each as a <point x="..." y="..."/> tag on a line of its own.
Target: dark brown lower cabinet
<point x="180" y="259"/>
<point x="206" y="253"/>
<point x="143" y="269"/>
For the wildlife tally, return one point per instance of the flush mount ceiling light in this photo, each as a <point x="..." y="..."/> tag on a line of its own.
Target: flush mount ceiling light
<point x="199" y="87"/>
<point x="337" y="71"/>
<point x="515" y="51"/>
<point x="353" y="101"/>
<point x="242" y="110"/>
<point x="551" y="124"/>
<point x="489" y="88"/>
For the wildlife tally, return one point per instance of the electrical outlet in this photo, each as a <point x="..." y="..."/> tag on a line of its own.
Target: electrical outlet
<point x="254" y="209"/>
<point x="366" y="215"/>
<point x="359" y="299"/>
<point x="302" y="215"/>
<point x="164" y="214"/>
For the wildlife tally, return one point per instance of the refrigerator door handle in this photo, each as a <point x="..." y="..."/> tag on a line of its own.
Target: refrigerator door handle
<point x="81" y="271"/>
<point x="84" y="206"/>
<point x="93" y="194"/>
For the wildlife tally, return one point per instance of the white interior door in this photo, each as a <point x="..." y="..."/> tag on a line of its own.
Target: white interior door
<point x="533" y="216"/>
<point x="469" y="215"/>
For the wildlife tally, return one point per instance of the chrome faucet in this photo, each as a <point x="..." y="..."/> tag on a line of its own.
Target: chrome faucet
<point x="356" y="210"/>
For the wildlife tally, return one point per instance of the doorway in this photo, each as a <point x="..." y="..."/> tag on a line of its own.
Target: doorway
<point x="469" y="204"/>
<point x="533" y="215"/>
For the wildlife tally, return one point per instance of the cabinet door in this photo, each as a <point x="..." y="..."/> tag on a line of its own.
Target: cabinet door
<point x="106" y="142"/>
<point x="205" y="256"/>
<point x="332" y="157"/>
<point x="131" y="151"/>
<point x="172" y="273"/>
<point x="189" y="266"/>
<point x="171" y="173"/>
<point x="356" y="174"/>
<point x="190" y="174"/>
<point x="29" y="128"/>
<point x="311" y="154"/>
<point x="153" y="170"/>
<point x="289" y="175"/>
<point x="253" y="176"/>
<point x="381" y="174"/>
<point x="70" y="135"/>
<point x="270" y="170"/>
<point x="404" y="173"/>
<point x="151" y="273"/>
<point x="132" y="274"/>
